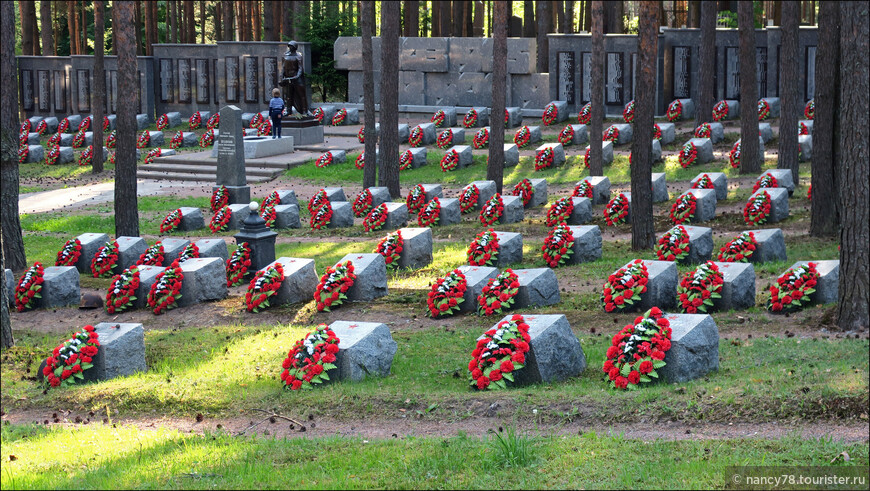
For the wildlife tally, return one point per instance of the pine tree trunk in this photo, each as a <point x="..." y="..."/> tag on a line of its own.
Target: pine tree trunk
<point x="435" y="22"/>
<point x="71" y="26"/>
<point x="446" y="21"/>
<point x="10" y="225"/>
<point x="824" y="215"/>
<point x="458" y="19"/>
<point x="613" y="14"/>
<point x="202" y="21"/>
<point x="596" y="164"/>
<point x="126" y="201"/>
<point x="479" y="16"/>
<point x="190" y="22"/>
<point x="228" y="20"/>
<point x="706" y="66"/>
<point x="99" y="95"/>
<point x="370" y="171"/>
<point x="852" y="304"/>
<point x="389" y="139"/>
<point x="529" y="26"/>
<point x="26" y="29"/>
<point x="694" y="15"/>
<point x="542" y="14"/>
<point x="300" y="19"/>
<point x="258" y="19"/>
<point x="495" y="165"/>
<point x="140" y="49"/>
<point x="269" y="21"/>
<point x="46" y="30"/>
<point x="749" y="163"/>
<point x="790" y="100"/>
<point x="642" y="229"/>
<point x="149" y="34"/>
<point x="412" y="18"/>
<point x="287" y="29"/>
<point x="569" y="16"/>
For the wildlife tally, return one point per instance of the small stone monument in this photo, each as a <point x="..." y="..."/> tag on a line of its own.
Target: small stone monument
<point x="260" y="239"/>
<point x="365" y="349"/>
<point x="554" y="353"/>
<point x="694" y="348"/>
<point x="231" y="156"/>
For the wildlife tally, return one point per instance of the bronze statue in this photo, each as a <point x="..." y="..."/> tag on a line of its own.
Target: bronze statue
<point x="293" y="81"/>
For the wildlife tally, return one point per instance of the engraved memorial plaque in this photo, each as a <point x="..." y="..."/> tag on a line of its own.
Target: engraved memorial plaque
<point x="251" y="79"/>
<point x="184" y="88"/>
<point x="165" y="80"/>
<point x="565" y="76"/>
<point x="613" y="79"/>
<point x="777" y="72"/>
<point x="59" y="91"/>
<point x="213" y="80"/>
<point x="27" y="89"/>
<point x="202" y="79"/>
<point x="810" y="73"/>
<point x="43" y="84"/>
<point x="732" y="73"/>
<point x="682" y="72"/>
<point x="270" y="77"/>
<point x="633" y="76"/>
<point x="84" y="85"/>
<point x="586" y="77"/>
<point x="761" y="71"/>
<point x="231" y="69"/>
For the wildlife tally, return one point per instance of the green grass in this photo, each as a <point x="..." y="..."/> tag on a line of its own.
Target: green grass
<point x="103" y="457"/>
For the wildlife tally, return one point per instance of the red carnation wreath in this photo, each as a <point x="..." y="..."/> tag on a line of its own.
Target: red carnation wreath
<point x="585" y="114"/>
<point x="446" y="294"/>
<point x="264" y="128"/>
<point x="376" y="218"/>
<point x="734" y="155"/>
<point x="763" y="109"/>
<point x="63" y="126"/>
<point x="566" y="136"/>
<point x="810" y="109"/>
<point x="616" y="210"/>
<point x="739" y="249"/>
<point x="765" y="181"/>
<point x="333" y="286"/>
<point x="195" y="121"/>
<point x="272" y="199"/>
<point x="70" y="359"/>
<point x="470" y="118"/>
<point x="468" y="198"/>
<point x="268" y="214"/>
<point x="492" y="210"/>
<point x="688" y="154"/>
<point x="162" y="122"/>
<point x="558" y="246"/>
<point x="24" y="128"/>
<point x="361" y="135"/>
<point x="166" y="289"/>
<point x="42" y="128"/>
<point x="318" y="114"/>
<point x="673" y="244"/>
<point x="122" y="290"/>
<point x="213" y="122"/>
<point x="445" y="138"/>
<point x="263" y="285"/>
<point x="430" y="214"/>
<point x="220" y="220"/>
<point x="112" y="139"/>
<point x="522" y="136"/>
<point x="415" y="138"/>
<point x="151" y="155"/>
<point x="524" y="190"/>
<point x="438" y="118"/>
<point x="362" y="205"/>
<point x="610" y="134"/>
<point x="87" y="156"/>
<point x="560" y="211"/>
<point x="638" y="351"/>
<point x="69" y="254"/>
<point x="705" y="182"/>
<point x="360" y="161"/>
<point x="704" y="131"/>
<point x="483" y="250"/>
<point x="628" y="112"/>
<point x="583" y="190"/>
<point x="803" y="129"/>
<point x="757" y="209"/>
<point x="793" y="288"/>
<point x="54" y="140"/>
<point x="450" y="161"/>
<point x="318" y="200"/>
<point x="657" y="132"/>
<point x="416" y="199"/>
<point x="238" y="264"/>
<point x="586" y="157"/>
<point x="551" y="113"/>
<point x="339" y="117"/>
<point x="675" y="110"/>
<point x="544" y="158"/>
<point x="391" y="247"/>
<point x="699" y="287"/>
<point x="220" y="197"/>
<point x="499" y="353"/>
<point x="105" y="260"/>
<point x="256" y="119"/>
<point x="322" y="216"/>
<point x="177" y="139"/>
<point x="406" y="160"/>
<point x="153" y="256"/>
<point x="52" y="156"/>
<point x="498" y="294"/>
<point x="310" y="359"/>
<point x="29" y="286"/>
<point x="624" y="287"/>
<point x="720" y="111"/>
<point x="207" y="139"/>
<point x="190" y="251"/>
<point x="683" y="210"/>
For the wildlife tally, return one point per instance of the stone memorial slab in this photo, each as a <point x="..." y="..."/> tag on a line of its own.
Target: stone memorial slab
<point x="432" y="191"/>
<point x="482" y="117"/>
<point x="416" y="248"/>
<point x="554" y="353"/>
<point x="539" y="193"/>
<point x="805" y="144"/>
<point x="510" y="249"/>
<point x="765" y="132"/>
<point x="511" y="155"/>
<point x="464" y="152"/>
<point x="738" y="289"/>
<point x="486" y="190"/>
<point x="783" y="178"/>
<point x="538" y="288"/>
<point x="476" y="277"/>
<point x="342" y="215"/>
<point x="300" y="281"/>
<point x="450" y="213"/>
<point x="335" y="194"/>
<point x="688" y="109"/>
<point x="704" y="147"/>
<point x="380" y="195"/>
<point x="656" y="151"/>
<point x="558" y="153"/>
<point x="9" y="278"/>
<point x="826" y="286"/>
<point x="733" y="109"/>
<point x="694" y="348"/>
<point x="66" y="140"/>
<point x="418" y="155"/>
<point x="668" y="132"/>
<point x="60" y="288"/>
<point x="189" y="139"/>
<point x="147" y="277"/>
<point x="352" y="116"/>
<point x="587" y="244"/>
<point x="122" y="350"/>
<point x="449" y="117"/>
<point x="514" y="117"/>
<point x="661" y="287"/>
<point x="91" y="243"/>
<point x="582" y="211"/>
<point x="328" y="113"/>
<point x="33" y="138"/>
<point x="371" y="277"/>
<point x="534" y="134"/>
<point x="246" y="132"/>
<point x="174" y="119"/>
<point x="660" y="187"/>
<point x="771" y="246"/>
<point x="287" y="216"/>
<point x="625" y="133"/>
<point x="778" y="203"/>
<point x="204" y="280"/>
<point x="142" y="122"/>
<point x="74" y="121"/>
<point x="773" y="103"/>
<point x="600" y="188"/>
<point x="231" y="155"/>
<point x="429" y="135"/>
<point x="365" y="349"/>
<point x="213" y="248"/>
<point x="172" y="249"/>
<point x="191" y="219"/>
<point x="35" y="120"/>
<point x="155" y="139"/>
<point x="287" y="197"/>
<point x="720" y="183"/>
<point x="513" y="210"/>
<point x="35" y="153"/>
<point x="238" y="214"/>
<point x="580" y="137"/>
<point x="67" y="155"/>
<point x="717" y="132"/>
<point x="458" y="135"/>
<point x="246" y="119"/>
<point x="606" y="152"/>
<point x="700" y="244"/>
<point x="808" y="123"/>
<point x="562" y="111"/>
<point x="129" y="250"/>
<point x="397" y="215"/>
<point x="706" y="204"/>
<point x="51" y="124"/>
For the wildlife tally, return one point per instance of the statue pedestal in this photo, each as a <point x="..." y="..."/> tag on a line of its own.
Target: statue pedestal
<point x="305" y="131"/>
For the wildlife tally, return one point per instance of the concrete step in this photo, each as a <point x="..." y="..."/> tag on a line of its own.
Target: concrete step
<point x="258" y="163"/>
<point x="208" y="169"/>
<point x="203" y="177"/>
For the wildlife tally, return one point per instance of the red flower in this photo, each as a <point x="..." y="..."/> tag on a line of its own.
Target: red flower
<point x="646" y="367"/>
<point x="634" y="377"/>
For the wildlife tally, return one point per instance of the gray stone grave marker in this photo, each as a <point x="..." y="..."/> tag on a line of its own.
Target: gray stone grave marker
<point x="335" y="194"/>
<point x="805" y="144"/>
<point x="668" y="132"/>
<point x="587" y="244"/>
<point x="287" y="197"/>
<point x="717" y="132"/>
<point x="147" y="277"/>
<point x="606" y="152"/>
<point x="476" y="277"/>
<point x="826" y="286"/>
<point x="129" y="250"/>
<point x="238" y="213"/>
<point x="486" y="190"/>
<point x="660" y="187"/>
<point x="204" y="280"/>
<point x="35" y="153"/>
<point x="300" y="281"/>
<point x="371" y="277"/>
<point x="513" y="209"/>
<point x="694" y="348"/>
<point x="213" y="248"/>
<point x="661" y="288"/>
<point x="432" y="191"/>
<point x="514" y="117"/>
<point x="365" y="349"/>
<point x="538" y="288"/>
<point x="510" y="249"/>
<point x="342" y="215"/>
<point x="783" y="178"/>
<point x="580" y="137"/>
<point x="778" y="203"/>
<point x="600" y="188"/>
<point x="704" y="149"/>
<point x="720" y="183"/>
<point x="765" y="132"/>
<point x="416" y="248"/>
<point x="738" y="289"/>
<point x="706" y="204"/>
<point x="558" y="153"/>
<point x="191" y="219"/>
<point x="464" y="153"/>
<point x="91" y="243"/>
<point x="700" y="244"/>
<point x="60" y="288"/>
<point x="287" y="216"/>
<point x="771" y="246"/>
<point x="122" y="350"/>
<point x="554" y="353"/>
<point x="172" y="249"/>
<point x="625" y="133"/>
<point x="231" y="156"/>
<point x="582" y="211"/>
<point x="397" y="215"/>
<point x="511" y="155"/>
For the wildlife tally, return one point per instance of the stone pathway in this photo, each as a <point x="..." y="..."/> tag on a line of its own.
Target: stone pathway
<point x="88" y="194"/>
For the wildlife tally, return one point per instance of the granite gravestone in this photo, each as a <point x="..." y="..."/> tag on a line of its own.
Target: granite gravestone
<point x="231" y="156"/>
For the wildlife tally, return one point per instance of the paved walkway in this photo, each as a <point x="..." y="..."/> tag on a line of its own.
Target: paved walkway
<point x="88" y="194"/>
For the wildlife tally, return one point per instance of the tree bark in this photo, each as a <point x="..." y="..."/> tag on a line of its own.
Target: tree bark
<point x="777" y="13"/>
<point x="149" y="34"/>
<point x="370" y="171"/>
<point x="190" y="22"/>
<point x="542" y="14"/>
<point x="824" y="215"/>
<point x="642" y="229"/>
<point x="412" y="18"/>
<point x="479" y="16"/>
<point x="258" y="19"/>
<point x="790" y="100"/>
<point x="693" y="17"/>
<point x="154" y="29"/>
<point x="288" y="29"/>
<point x="852" y="304"/>
<point x="706" y="66"/>
<point x="389" y="139"/>
<point x="171" y="22"/>
<point x="749" y="163"/>
<point x="587" y="17"/>
<point x="569" y="16"/>
<point x="140" y="50"/>
<point x="458" y="18"/>
<point x="218" y="24"/>
<point x="99" y="96"/>
<point x="445" y="19"/>
<point x="228" y="20"/>
<point x="202" y="21"/>
<point x="46" y="30"/>
<point x="495" y="164"/>
<point x="529" y="26"/>
<point x="126" y="201"/>
<point x="10" y="225"/>
<point x="614" y="12"/>
<point x="26" y="29"/>
<point x="268" y="21"/>
<point x="34" y="34"/>
<point x="71" y="26"/>
<point x="300" y="16"/>
<point x="435" y="20"/>
<point x="596" y="163"/>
